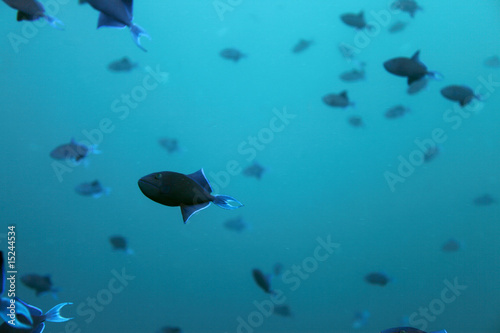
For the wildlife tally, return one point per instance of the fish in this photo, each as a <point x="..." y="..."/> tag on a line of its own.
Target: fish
<point x="461" y="94"/>
<point x="191" y="193"/>
<point x="118" y="14"/>
<point x="73" y="151"/>
<point x="405" y="329"/>
<point x="396" y="111"/>
<point x="255" y="170"/>
<point x="353" y="75"/>
<point x="484" y="200"/>
<point x="356" y="121"/>
<point x="41" y="284"/>
<point x="93" y="189"/>
<point x="302" y="45"/>
<point x="409" y="6"/>
<point x="492" y="62"/>
<point x="412" y="68"/>
<point x="170" y="145"/>
<point x="431" y="153"/>
<point x="451" y="245"/>
<point x="397" y="26"/>
<point x="119" y="243"/>
<point x="236" y="224"/>
<point x="355" y="20"/>
<point x="263" y="281"/>
<point x="232" y="54"/>
<point x="32" y="10"/>
<point x="360" y="319"/>
<point x="170" y="329"/>
<point x="417" y="86"/>
<point x="278" y="269"/>
<point x="340" y="100"/>
<point x="122" y="65"/>
<point x="377" y="278"/>
<point x="282" y="310"/>
<point x="347" y="51"/>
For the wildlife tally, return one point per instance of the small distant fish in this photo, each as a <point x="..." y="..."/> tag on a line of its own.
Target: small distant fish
<point x="41" y="284"/>
<point x="353" y="75"/>
<point x="170" y="145"/>
<point x="232" y="54"/>
<point x="255" y="170"/>
<point x="405" y="329"/>
<point x="277" y="269"/>
<point x="451" y="245"/>
<point x="117" y="14"/>
<point x="337" y="100"/>
<point x="377" y="278"/>
<point x="461" y="94"/>
<point x="73" y="151"/>
<point x="484" y="200"/>
<point x="302" y="45"/>
<point x="32" y="10"/>
<point x="170" y="329"/>
<point x="347" y="51"/>
<point x="122" y="65"/>
<point x="492" y="62"/>
<point x="236" y="224"/>
<point x="191" y="192"/>
<point x="431" y="153"/>
<point x="119" y="243"/>
<point x="356" y="121"/>
<point x="409" y="6"/>
<point x="355" y="20"/>
<point x="417" y="86"/>
<point x="93" y="189"/>
<point x="282" y="310"/>
<point x="396" y="111"/>
<point x="360" y="319"/>
<point x="397" y="26"/>
<point x="411" y="68"/>
<point x="263" y="281"/>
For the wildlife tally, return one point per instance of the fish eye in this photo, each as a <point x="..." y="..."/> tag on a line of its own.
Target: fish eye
<point x="158" y="176"/>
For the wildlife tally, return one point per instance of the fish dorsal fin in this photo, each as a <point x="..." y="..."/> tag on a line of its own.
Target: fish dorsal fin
<point x="344" y="94"/>
<point x="361" y="14"/>
<point x="94" y="183"/>
<point x="199" y="177"/>
<point x="188" y="211"/>
<point x="416" y="56"/>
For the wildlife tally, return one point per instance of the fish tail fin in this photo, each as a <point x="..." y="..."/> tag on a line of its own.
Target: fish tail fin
<point x="436" y="76"/>
<point x="54" y="22"/>
<point x="54" y="315"/>
<point x="227" y="202"/>
<point x="137" y="32"/>
<point x="129" y="251"/>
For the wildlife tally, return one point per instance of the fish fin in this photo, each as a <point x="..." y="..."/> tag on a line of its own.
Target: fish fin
<point x="33" y="311"/>
<point x="464" y="102"/>
<point x="224" y="201"/>
<point x="128" y="6"/>
<point x="108" y="21"/>
<point x="188" y="211"/>
<point x="435" y="75"/>
<point x="200" y="178"/>
<point x="412" y="79"/>
<point x="81" y="2"/>
<point x="361" y="14"/>
<point x="39" y="328"/>
<point x="95" y="183"/>
<point x="344" y="94"/>
<point x="20" y="310"/>
<point x="137" y="32"/>
<point x="53" y="315"/>
<point x="22" y="16"/>
<point x="54" y="22"/>
<point x="97" y="195"/>
<point x="416" y="56"/>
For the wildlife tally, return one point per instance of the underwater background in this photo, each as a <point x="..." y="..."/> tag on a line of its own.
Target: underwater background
<point x="324" y="179"/>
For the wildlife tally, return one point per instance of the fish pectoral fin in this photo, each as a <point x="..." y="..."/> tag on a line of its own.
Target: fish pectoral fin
<point x="22" y="16"/>
<point x="108" y="21"/>
<point x="188" y="211"/>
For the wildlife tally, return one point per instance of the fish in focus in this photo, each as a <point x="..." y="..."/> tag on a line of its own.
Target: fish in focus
<point x="32" y="10"/>
<point x="377" y="278"/>
<point x="93" y="189"/>
<point x="492" y="62"/>
<point x="122" y="65"/>
<point x="73" y="151"/>
<point x="301" y="46"/>
<point x="360" y="319"/>
<point x="356" y="121"/>
<point x="119" y="243"/>
<point x="340" y="100"/>
<point x="255" y="170"/>
<point x="411" y="68"/>
<point x="408" y="6"/>
<point x="41" y="284"/>
<point x="397" y="26"/>
<point x="451" y="245"/>
<point x="355" y="20"/>
<point x="117" y="14"/>
<point x="396" y="111"/>
<point x="236" y="224"/>
<point x="406" y="329"/>
<point x="232" y="54"/>
<point x="484" y="200"/>
<point x="461" y="94"/>
<point x="191" y="193"/>
<point x="262" y="280"/>
<point x="282" y="310"/>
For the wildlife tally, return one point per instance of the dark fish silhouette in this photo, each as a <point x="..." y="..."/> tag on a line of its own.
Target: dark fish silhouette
<point x="191" y="192"/>
<point x="406" y="329"/>
<point x="122" y="65"/>
<point x="461" y="94"/>
<point x="417" y="86"/>
<point x="353" y="75"/>
<point x="337" y="100"/>
<point x="32" y="10"/>
<point x="492" y="62"/>
<point x="452" y="245"/>
<point x="117" y="14"/>
<point x="263" y="281"/>
<point x="277" y="269"/>
<point x="484" y="200"/>
<point x="397" y="26"/>
<point x="412" y="68"/>
<point x="377" y="278"/>
<point x="355" y="20"/>
<point x="93" y="189"/>
<point x="232" y="54"/>
<point x="73" y="151"/>
<point x="409" y="6"/>
<point x="255" y="170"/>
<point x="119" y="243"/>
<point x="41" y="284"/>
<point x="282" y="310"/>
<point x="431" y="153"/>
<point x="302" y="45"/>
<point x="170" y="329"/>
<point x="396" y="111"/>
<point x="170" y="145"/>
<point x="237" y="224"/>
<point x="356" y="121"/>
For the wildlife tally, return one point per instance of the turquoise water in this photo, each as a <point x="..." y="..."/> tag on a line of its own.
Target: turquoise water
<point x="324" y="178"/>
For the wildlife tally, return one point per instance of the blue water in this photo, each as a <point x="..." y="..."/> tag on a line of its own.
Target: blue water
<point x="324" y="179"/>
